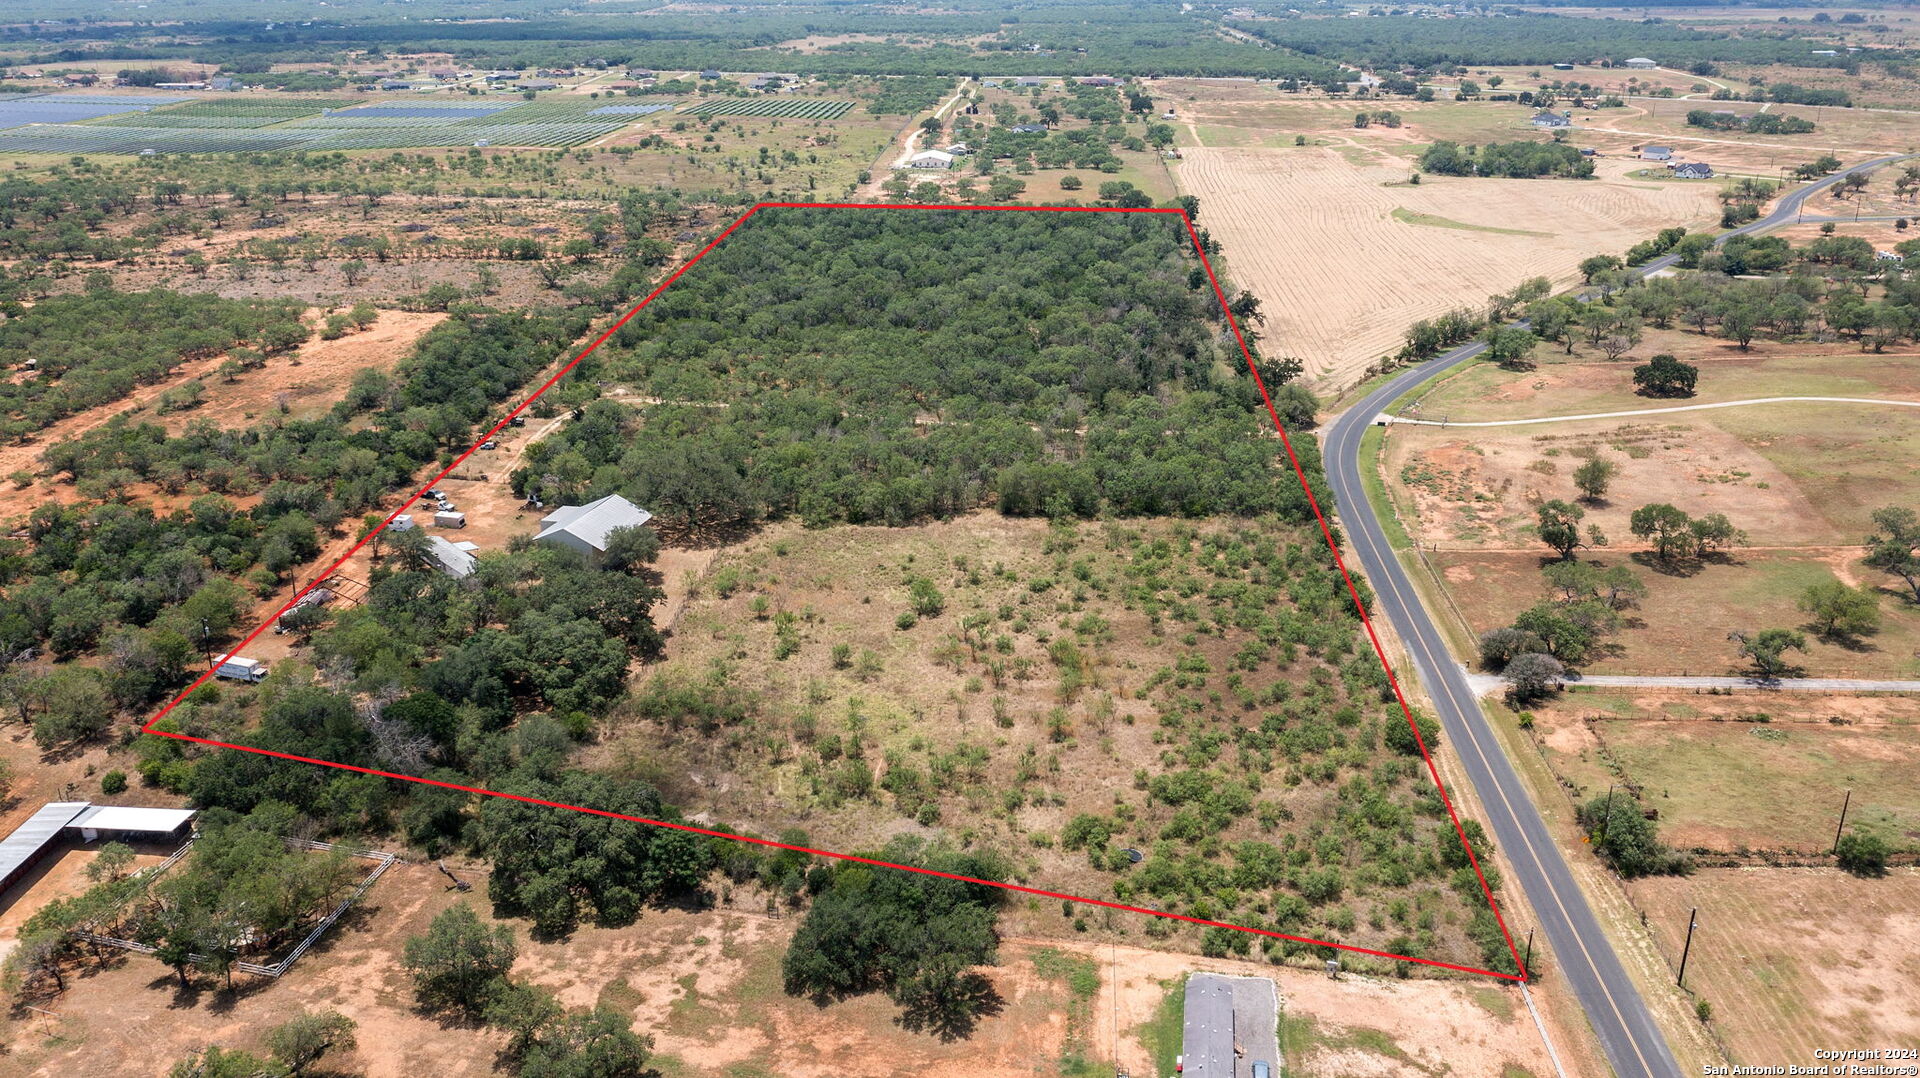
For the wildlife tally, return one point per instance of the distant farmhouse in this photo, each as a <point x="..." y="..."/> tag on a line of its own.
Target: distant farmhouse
<point x="1656" y="153"/>
<point x="1641" y="63"/>
<point x="1550" y="119"/>
<point x="1693" y="170"/>
<point x="931" y="159"/>
<point x="585" y="527"/>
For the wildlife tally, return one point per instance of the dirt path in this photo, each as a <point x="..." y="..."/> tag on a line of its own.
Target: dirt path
<point x="910" y="138"/>
<point x="1655" y="411"/>
<point x="1487" y="684"/>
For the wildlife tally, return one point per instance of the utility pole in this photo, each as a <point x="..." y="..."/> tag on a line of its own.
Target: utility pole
<point x="1843" y="822"/>
<point x="1607" y="817"/>
<point x="1526" y="964"/>
<point x="1692" y="923"/>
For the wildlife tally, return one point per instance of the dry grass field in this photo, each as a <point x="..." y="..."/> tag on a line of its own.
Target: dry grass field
<point x="1795" y="960"/>
<point x="1751" y="771"/>
<point x="1790" y="475"/>
<point x="1315" y="233"/>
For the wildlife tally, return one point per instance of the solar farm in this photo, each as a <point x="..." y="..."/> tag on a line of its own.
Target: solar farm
<point x="794" y="108"/>
<point x="129" y="124"/>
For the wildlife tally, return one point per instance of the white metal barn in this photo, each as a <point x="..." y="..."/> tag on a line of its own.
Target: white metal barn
<point x="455" y="559"/>
<point x="585" y="527"/>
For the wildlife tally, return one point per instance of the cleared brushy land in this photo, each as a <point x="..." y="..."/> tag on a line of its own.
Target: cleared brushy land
<point x="1197" y="692"/>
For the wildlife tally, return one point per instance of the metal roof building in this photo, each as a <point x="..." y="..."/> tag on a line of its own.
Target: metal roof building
<point x="455" y="559"/>
<point x="88" y="822"/>
<point x="19" y="850"/>
<point x="585" y="527"/>
<point x="1208" y="1035"/>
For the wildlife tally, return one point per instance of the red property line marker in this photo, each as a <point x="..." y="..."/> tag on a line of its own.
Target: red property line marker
<point x="1299" y="473"/>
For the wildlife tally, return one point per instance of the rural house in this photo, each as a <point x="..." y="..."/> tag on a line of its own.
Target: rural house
<point x="1693" y="170"/>
<point x="1550" y="119"/>
<point x="1656" y="153"/>
<point x="931" y="159"/>
<point x="585" y="527"/>
<point x="1027" y="129"/>
<point x="1641" y="63"/>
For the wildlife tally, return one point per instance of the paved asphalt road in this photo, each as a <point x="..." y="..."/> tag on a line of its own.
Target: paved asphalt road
<point x="1580" y="950"/>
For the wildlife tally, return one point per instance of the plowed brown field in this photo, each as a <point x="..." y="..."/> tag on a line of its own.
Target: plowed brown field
<point x="1314" y="236"/>
<point x="1796" y="960"/>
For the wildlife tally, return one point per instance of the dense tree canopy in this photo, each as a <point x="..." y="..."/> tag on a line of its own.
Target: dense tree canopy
<point x="914" y="936"/>
<point x="95" y="347"/>
<point x="874" y="367"/>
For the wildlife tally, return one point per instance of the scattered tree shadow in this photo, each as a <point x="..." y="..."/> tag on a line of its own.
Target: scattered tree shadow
<point x="955" y="1013"/>
<point x="245" y="986"/>
<point x="1682" y="568"/>
<point x="1858" y="643"/>
<point x="696" y="536"/>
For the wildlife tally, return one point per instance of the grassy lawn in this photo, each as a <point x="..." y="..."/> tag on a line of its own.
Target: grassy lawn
<point x="1436" y="221"/>
<point x="1165" y="1033"/>
<point x="1587" y="382"/>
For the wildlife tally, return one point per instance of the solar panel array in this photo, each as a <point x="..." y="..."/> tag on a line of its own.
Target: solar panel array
<point x="254" y="123"/>
<point x="628" y="110"/>
<point x="68" y="108"/>
<point x="432" y="110"/>
<point x="795" y="108"/>
<point x="118" y="99"/>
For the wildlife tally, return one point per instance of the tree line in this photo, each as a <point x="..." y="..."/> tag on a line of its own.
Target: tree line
<point x="1517" y="160"/>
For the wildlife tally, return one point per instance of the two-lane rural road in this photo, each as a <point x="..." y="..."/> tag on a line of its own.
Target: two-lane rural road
<point x="1582" y="954"/>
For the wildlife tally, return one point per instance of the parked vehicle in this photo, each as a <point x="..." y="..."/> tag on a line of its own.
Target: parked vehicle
<point x="238" y="669"/>
<point x="450" y="520"/>
<point x="489" y="444"/>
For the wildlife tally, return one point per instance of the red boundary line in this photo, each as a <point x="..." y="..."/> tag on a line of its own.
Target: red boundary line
<point x="1299" y="472"/>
